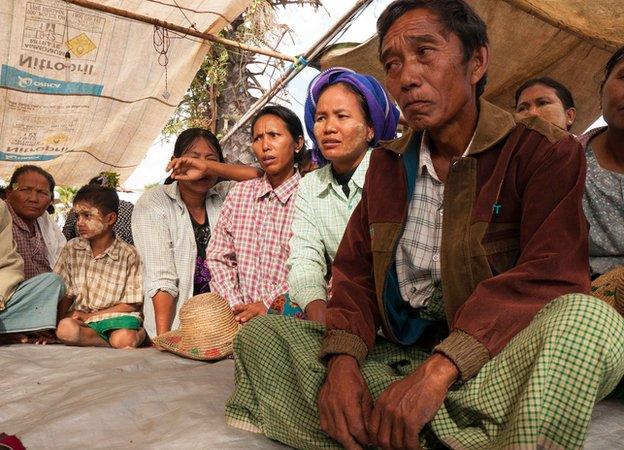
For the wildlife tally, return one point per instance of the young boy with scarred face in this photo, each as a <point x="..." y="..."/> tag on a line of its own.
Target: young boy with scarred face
<point x="103" y="277"/>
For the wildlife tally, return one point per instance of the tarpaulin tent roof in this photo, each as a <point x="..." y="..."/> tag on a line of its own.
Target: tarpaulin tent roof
<point x="83" y="91"/>
<point x="568" y="40"/>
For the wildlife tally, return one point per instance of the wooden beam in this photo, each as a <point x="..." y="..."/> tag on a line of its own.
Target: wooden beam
<point x="173" y="27"/>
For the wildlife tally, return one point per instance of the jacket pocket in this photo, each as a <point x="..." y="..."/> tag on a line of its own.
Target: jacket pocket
<point x="502" y="246"/>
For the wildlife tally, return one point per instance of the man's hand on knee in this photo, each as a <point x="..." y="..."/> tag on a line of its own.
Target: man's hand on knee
<point x="345" y="403"/>
<point x="409" y="404"/>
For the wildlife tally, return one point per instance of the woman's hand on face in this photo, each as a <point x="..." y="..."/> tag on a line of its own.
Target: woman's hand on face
<point x="189" y="169"/>
<point x="244" y="313"/>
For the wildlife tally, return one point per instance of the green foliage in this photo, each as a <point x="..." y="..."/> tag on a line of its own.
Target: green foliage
<point x="66" y="194"/>
<point x="112" y="179"/>
<point x="195" y="109"/>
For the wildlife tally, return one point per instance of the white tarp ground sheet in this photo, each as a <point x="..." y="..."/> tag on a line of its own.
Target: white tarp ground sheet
<point x="101" y="108"/>
<point x="56" y="397"/>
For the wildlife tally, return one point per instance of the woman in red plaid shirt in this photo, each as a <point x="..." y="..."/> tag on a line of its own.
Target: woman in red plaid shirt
<point x="249" y="246"/>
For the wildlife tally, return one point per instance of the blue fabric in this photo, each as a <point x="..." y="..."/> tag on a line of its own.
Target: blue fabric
<point x="284" y="306"/>
<point x="383" y="113"/>
<point x="33" y="306"/>
<point x="404" y="321"/>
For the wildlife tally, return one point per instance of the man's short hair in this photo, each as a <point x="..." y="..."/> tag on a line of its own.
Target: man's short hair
<point x="456" y="16"/>
<point x="103" y="198"/>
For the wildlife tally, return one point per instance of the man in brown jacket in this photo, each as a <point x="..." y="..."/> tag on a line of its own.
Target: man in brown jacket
<point x="469" y="251"/>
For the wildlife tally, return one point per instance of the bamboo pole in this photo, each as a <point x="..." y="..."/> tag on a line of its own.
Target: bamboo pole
<point x="293" y="70"/>
<point x="180" y="29"/>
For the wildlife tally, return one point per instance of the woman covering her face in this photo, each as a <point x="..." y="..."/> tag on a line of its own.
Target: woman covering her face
<point x="171" y="227"/>
<point x="604" y="149"/>
<point x="346" y="114"/>
<point x="548" y="99"/>
<point x="247" y="253"/>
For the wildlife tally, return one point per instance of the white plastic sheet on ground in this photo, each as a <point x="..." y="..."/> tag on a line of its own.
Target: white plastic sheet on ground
<point x="101" y="108"/>
<point x="65" y="398"/>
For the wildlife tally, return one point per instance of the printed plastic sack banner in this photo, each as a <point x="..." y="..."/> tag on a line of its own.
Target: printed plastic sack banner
<point x="82" y="91"/>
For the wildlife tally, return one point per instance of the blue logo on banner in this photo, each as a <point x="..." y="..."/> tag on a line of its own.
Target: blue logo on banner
<point x="13" y="157"/>
<point x="11" y="77"/>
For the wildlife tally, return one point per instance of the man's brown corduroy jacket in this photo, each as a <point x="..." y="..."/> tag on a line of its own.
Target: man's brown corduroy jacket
<point x="514" y="238"/>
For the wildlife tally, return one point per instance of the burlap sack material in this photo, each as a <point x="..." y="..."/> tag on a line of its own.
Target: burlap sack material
<point x="207" y="329"/>
<point x="569" y="40"/>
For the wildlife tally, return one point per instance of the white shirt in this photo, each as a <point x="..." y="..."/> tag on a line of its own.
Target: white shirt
<point x="163" y="235"/>
<point x="52" y="236"/>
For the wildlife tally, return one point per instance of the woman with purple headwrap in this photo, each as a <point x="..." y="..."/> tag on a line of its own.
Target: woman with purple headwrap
<point x="346" y="115"/>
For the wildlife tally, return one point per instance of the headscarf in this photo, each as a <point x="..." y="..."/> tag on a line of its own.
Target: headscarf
<point x="383" y="113"/>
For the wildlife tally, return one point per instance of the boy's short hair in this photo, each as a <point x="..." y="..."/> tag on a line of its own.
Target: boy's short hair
<point x="103" y="198"/>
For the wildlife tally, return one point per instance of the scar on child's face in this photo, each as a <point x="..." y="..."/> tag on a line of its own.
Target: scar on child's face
<point x="90" y="220"/>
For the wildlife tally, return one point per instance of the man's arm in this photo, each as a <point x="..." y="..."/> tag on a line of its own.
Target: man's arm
<point x="553" y="259"/>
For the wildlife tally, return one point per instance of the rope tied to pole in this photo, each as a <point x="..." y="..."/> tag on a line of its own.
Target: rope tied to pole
<point x="299" y="63"/>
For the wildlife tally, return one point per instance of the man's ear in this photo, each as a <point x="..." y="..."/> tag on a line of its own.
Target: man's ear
<point x="479" y="64"/>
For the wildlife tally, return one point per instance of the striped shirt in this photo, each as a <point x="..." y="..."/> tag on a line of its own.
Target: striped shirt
<point x="249" y="246"/>
<point x="418" y="252"/>
<point x="30" y="245"/>
<point x="108" y="279"/>
<point x="321" y="214"/>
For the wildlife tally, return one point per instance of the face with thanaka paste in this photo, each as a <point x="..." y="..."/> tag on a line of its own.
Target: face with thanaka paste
<point x="340" y="126"/>
<point x="91" y="222"/>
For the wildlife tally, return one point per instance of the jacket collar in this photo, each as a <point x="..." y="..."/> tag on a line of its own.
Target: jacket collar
<point x="173" y="192"/>
<point x="283" y="192"/>
<point x="493" y="125"/>
<point x="112" y="251"/>
<point x="327" y="180"/>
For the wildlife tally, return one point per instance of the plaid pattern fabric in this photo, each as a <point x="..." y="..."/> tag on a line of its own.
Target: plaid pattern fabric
<point x="321" y="214"/>
<point x="30" y="246"/>
<point x="418" y="253"/>
<point x="122" y="228"/>
<point x="538" y="392"/>
<point x="100" y="282"/>
<point x="249" y="246"/>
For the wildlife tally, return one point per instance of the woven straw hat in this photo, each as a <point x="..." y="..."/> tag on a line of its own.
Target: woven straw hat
<point x="610" y="288"/>
<point x="207" y="329"/>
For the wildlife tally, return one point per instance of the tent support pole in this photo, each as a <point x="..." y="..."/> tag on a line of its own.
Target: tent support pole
<point x="173" y="27"/>
<point x="293" y="70"/>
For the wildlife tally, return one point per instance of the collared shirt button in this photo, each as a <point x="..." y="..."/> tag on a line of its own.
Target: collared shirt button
<point x="441" y="211"/>
<point x="436" y="257"/>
